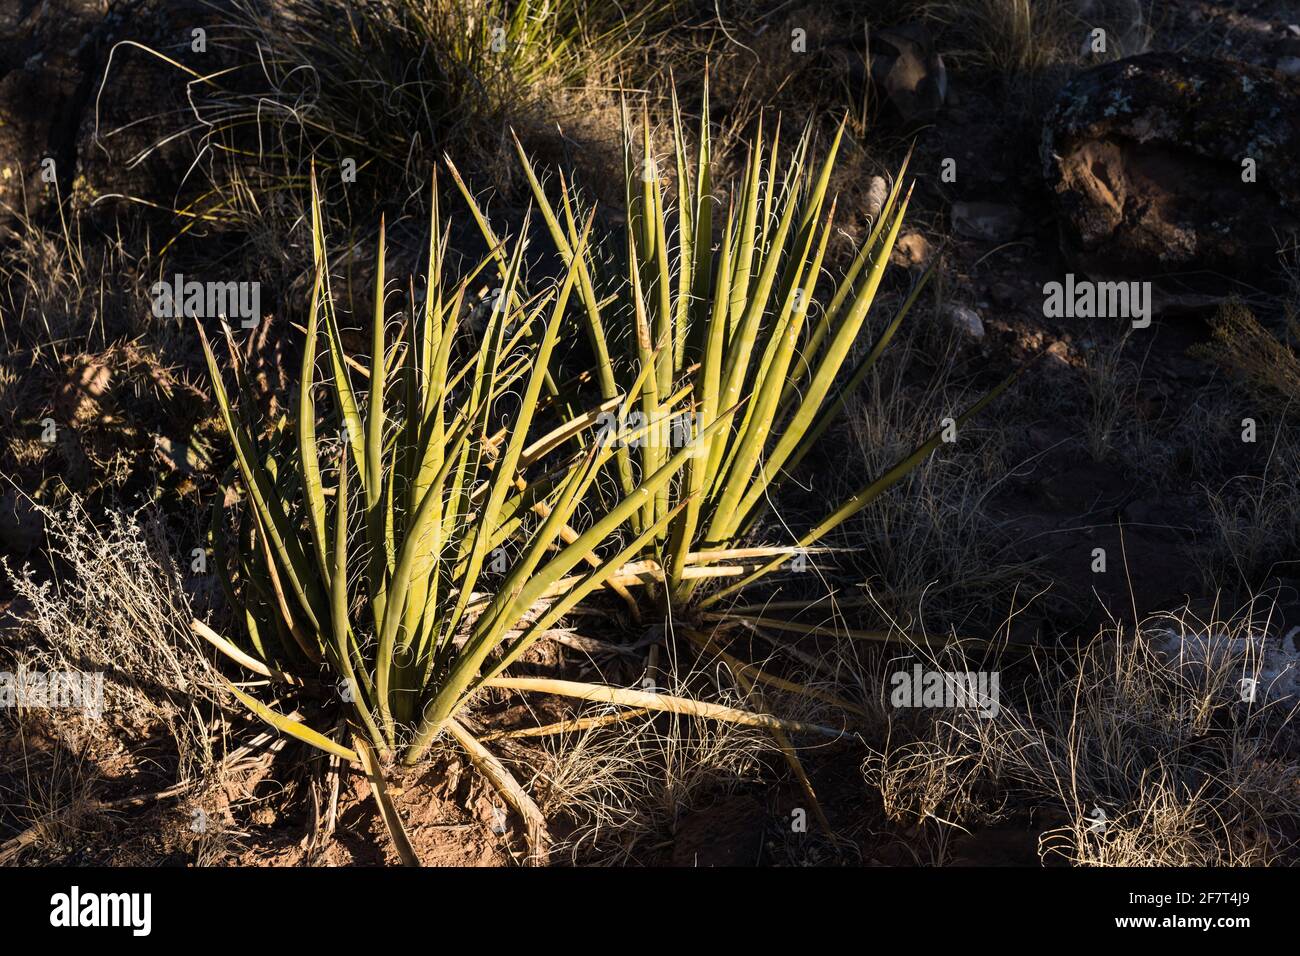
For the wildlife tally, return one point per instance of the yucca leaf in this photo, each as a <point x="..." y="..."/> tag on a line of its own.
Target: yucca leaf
<point x="594" y="579"/>
<point x="307" y="457"/>
<point x="343" y="395"/>
<point x="387" y="811"/>
<point x="661" y="702"/>
<point x="273" y="521"/>
<point x="293" y="728"/>
<point x="344" y="647"/>
<point x="822" y="379"/>
<point x="512" y="601"/>
<point x="770" y="476"/>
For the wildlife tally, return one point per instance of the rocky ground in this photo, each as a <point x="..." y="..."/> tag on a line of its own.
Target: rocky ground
<point x="1168" y="160"/>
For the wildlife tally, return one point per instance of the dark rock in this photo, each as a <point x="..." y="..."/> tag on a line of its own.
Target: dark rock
<point x="906" y="69"/>
<point x="905" y="64"/>
<point x="41" y="86"/>
<point x="1145" y="157"/>
<point x="24" y="140"/>
<point x="69" y="93"/>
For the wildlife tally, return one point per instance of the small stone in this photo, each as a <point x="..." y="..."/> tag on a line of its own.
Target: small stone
<point x="911" y="249"/>
<point x="877" y="193"/>
<point x="1290" y="65"/>
<point x="907" y="69"/>
<point x="1059" y="353"/>
<point x="966" y="319"/>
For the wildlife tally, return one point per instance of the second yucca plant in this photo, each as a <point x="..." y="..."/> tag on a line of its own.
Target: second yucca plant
<point x="695" y="328"/>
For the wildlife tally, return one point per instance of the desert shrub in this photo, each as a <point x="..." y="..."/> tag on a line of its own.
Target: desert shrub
<point x="118" y="604"/>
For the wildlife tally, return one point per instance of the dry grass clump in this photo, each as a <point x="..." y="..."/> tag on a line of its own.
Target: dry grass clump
<point x="1255" y="527"/>
<point x="1112" y="381"/>
<point x="61" y="290"/>
<point x="1018" y="37"/>
<point x="390" y="84"/>
<point x="621" y="784"/>
<point x="930" y="765"/>
<point x="624" y="786"/>
<point x="117" y="604"/>
<point x="1011" y="36"/>
<point x="46" y="792"/>
<point x="930" y="548"/>
<point x="114" y="604"/>
<point x="1268" y="365"/>
<point x="1141" y="750"/>
<point x="1154" y="757"/>
<point x="374" y="93"/>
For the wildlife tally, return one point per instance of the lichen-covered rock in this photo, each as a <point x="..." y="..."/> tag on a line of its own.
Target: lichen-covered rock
<point x="1147" y="158"/>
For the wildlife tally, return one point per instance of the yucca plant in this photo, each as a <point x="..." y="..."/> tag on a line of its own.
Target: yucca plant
<point x="697" y="322"/>
<point x="412" y="543"/>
